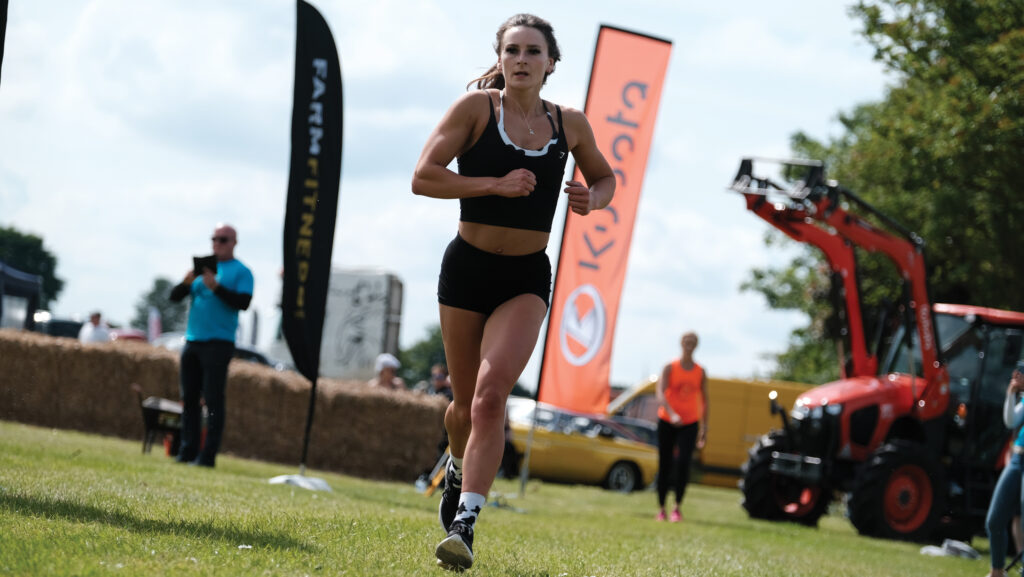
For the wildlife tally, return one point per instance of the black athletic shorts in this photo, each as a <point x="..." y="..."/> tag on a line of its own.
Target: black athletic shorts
<point x="480" y="281"/>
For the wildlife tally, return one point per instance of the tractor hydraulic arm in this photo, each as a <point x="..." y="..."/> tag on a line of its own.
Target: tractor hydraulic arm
<point x="796" y="224"/>
<point x="811" y="212"/>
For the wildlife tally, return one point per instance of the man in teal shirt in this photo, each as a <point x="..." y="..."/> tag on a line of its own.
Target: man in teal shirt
<point x="209" y="344"/>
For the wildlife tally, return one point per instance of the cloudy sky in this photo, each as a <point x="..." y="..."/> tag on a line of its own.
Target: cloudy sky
<point x="129" y="129"/>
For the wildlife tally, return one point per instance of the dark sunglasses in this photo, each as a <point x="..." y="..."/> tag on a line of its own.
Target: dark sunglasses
<point x="220" y="239"/>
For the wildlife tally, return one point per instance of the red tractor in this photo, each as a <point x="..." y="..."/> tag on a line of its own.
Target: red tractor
<point x="912" y="434"/>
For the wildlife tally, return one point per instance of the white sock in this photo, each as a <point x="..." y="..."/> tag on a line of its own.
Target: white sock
<point x="470" y="505"/>
<point x="456" y="467"/>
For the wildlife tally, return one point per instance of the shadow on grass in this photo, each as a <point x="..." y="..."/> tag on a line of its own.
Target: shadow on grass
<point x="78" y="512"/>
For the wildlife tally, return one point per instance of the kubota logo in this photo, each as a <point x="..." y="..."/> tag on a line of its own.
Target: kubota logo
<point x="583" y="325"/>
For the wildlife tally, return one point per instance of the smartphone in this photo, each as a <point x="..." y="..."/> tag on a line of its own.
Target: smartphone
<point x="1020" y="367"/>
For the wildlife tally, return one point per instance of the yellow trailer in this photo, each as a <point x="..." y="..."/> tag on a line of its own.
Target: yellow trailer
<point x="739" y="414"/>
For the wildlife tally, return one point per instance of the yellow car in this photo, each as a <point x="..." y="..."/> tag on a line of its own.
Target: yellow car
<point x="581" y="448"/>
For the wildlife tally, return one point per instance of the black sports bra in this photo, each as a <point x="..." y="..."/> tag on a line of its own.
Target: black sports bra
<point x="494" y="154"/>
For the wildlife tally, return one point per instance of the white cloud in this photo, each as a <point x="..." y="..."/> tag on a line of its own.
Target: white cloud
<point x="127" y="130"/>
<point x="393" y="37"/>
<point x="421" y="118"/>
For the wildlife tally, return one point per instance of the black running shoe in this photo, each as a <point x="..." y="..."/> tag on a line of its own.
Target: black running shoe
<point x="456" y="551"/>
<point x="449" y="506"/>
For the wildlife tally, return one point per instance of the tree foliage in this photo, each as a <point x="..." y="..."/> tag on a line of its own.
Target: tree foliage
<point x="26" y="253"/>
<point x="172" y="314"/>
<point x="417" y="359"/>
<point x="941" y="153"/>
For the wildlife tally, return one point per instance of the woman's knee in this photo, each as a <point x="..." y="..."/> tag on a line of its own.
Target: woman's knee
<point x="488" y="407"/>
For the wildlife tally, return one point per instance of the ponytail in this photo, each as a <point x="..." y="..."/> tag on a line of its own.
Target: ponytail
<point x="493" y="78"/>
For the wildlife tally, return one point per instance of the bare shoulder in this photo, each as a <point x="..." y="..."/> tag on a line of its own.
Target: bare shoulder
<point x="574" y="118"/>
<point x="462" y="125"/>
<point x="469" y="116"/>
<point x="472" y="104"/>
<point x="577" y="127"/>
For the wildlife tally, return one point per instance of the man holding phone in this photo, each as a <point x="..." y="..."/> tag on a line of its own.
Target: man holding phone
<point x="1008" y="498"/>
<point x="218" y="292"/>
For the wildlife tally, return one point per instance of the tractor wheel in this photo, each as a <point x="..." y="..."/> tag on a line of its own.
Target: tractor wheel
<point x="767" y="495"/>
<point x="900" y="494"/>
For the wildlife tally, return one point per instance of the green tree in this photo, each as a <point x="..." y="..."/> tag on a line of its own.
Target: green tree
<point x="26" y="253"/>
<point x="941" y="153"/>
<point x="417" y="359"/>
<point x="172" y="315"/>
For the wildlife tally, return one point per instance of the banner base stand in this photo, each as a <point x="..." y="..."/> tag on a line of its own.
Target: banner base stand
<point x="310" y="483"/>
<point x="501" y="502"/>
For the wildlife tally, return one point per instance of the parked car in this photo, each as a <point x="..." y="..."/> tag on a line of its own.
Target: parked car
<point x="126" y="334"/>
<point x="248" y="353"/>
<point x="47" y="324"/>
<point x="582" y="448"/>
<point x="175" y="341"/>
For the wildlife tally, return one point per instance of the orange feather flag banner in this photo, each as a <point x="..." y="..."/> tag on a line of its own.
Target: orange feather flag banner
<point x="622" y="105"/>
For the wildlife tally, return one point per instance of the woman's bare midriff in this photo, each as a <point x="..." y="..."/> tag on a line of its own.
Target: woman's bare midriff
<point x="503" y="240"/>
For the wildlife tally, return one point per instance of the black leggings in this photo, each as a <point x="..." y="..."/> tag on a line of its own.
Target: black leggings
<point x="670" y="465"/>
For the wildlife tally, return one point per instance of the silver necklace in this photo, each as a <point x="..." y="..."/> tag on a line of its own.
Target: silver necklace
<point x="527" y="122"/>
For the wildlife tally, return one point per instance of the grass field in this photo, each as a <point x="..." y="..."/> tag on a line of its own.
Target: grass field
<point x="75" y="504"/>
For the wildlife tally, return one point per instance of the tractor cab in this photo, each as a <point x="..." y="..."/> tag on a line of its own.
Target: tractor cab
<point x="980" y="349"/>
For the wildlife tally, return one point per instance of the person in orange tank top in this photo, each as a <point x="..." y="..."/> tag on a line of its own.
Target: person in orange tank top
<point x="682" y="422"/>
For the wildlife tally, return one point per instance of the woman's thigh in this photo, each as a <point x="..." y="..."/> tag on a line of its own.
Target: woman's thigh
<point x="666" y="442"/>
<point x="462" y="331"/>
<point x="509" y="338"/>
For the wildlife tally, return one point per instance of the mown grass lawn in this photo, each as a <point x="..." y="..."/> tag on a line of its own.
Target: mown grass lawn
<point x="76" y="504"/>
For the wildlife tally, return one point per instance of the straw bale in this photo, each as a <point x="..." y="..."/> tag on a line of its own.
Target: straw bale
<point x="29" y="372"/>
<point x="368" y="432"/>
<point x="266" y="410"/>
<point x="376" y="433"/>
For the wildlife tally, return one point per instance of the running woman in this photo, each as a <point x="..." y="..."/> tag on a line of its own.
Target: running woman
<point x="495" y="282"/>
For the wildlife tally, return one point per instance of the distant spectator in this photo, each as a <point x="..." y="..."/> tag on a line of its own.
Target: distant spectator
<point x="94" y="331"/>
<point x="440" y="384"/>
<point x="387" y="378"/>
<point x="437" y="384"/>
<point x="1007" y="500"/>
<point x="217" y="296"/>
<point x="682" y="422"/>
